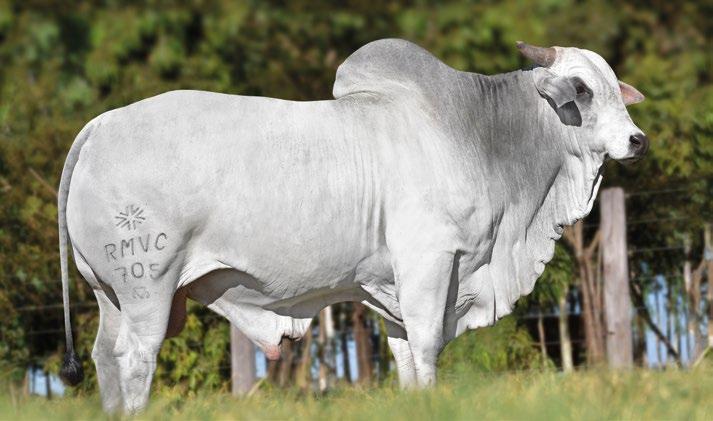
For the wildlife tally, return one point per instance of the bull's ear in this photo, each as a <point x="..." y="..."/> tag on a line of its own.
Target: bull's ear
<point x="630" y="94"/>
<point x="559" y="89"/>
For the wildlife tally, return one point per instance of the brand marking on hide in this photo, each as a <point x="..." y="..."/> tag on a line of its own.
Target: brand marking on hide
<point x="130" y="217"/>
<point x="138" y="270"/>
<point x="145" y="244"/>
<point x="135" y="258"/>
<point x="140" y="293"/>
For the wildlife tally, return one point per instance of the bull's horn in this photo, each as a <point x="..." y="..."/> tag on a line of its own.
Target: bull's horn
<point x="540" y="55"/>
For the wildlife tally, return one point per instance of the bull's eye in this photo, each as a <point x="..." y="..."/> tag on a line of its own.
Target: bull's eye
<point x="581" y="88"/>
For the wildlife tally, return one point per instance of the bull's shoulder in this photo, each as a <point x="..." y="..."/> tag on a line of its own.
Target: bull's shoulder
<point x="390" y="67"/>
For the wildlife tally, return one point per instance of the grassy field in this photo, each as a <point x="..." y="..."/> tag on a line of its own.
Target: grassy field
<point x="581" y="396"/>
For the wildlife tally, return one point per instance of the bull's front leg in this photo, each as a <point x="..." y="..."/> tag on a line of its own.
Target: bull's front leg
<point x="423" y="281"/>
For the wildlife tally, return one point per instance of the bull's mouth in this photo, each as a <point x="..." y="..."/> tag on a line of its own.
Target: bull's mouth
<point x="631" y="161"/>
<point x="625" y="161"/>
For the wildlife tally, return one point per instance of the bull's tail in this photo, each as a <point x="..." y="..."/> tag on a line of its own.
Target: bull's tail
<point x="71" y="372"/>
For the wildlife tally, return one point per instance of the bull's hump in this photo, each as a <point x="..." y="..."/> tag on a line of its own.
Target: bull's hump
<point x="389" y="67"/>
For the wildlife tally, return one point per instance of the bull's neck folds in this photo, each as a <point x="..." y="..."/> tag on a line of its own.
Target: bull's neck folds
<point x="539" y="172"/>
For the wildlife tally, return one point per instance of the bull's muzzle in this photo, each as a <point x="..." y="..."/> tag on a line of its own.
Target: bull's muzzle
<point x="639" y="144"/>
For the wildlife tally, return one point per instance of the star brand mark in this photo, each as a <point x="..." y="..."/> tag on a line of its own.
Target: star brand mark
<point x="130" y="218"/>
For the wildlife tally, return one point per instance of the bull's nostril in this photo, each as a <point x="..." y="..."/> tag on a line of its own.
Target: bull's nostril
<point x="640" y="143"/>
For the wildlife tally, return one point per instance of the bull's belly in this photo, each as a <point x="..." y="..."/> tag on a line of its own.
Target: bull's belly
<point x="266" y="317"/>
<point x="294" y="281"/>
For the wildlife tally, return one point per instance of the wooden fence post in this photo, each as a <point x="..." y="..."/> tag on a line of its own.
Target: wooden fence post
<point x="242" y="362"/>
<point x="617" y="302"/>
<point x="363" y="343"/>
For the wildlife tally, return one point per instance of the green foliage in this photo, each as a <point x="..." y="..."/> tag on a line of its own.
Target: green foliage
<point x="502" y="347"/>
<point x="555" y="280"/>
<point x="199" y="358"/>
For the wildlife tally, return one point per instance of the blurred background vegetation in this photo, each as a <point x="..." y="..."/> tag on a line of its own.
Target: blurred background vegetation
<point x="63" y="62"/>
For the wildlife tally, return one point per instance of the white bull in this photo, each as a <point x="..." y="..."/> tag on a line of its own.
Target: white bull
<point x="431" y="195"/>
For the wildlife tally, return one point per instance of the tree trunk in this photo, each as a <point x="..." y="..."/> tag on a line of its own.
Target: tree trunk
<point x="677" y="324"/>
<point x="699" y="342"/>
<point x="384" y="352"/>
<point x="326" y="352"/>
<point x="287" y="358"/>
<point x="691" y="307"/>
<point x="541" y="335"/>
<point x="661" y="359"/>
<point x="344" y="340"/>
<point x="565" y="340"/>
<point x="303" y="374"/>
<point x="669" y="319"/>
<point x="33" y="380"/>
<point x="593" y="283"/>
<point x="640" y="354"/>
<point x="616" y="278"/>
<point x="242" y="362"/>
<point x="643" y="312"/>
<point x="273" y="369"/>
<point x="48" y="388"/>
<point x="590" y="294"/>
<point x="708" y="257"/>
<point x="26" y="387"/>
<point x="363" y="343"/>
<point x="709" y="296"/>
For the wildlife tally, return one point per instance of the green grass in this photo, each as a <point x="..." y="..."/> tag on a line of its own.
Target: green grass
<point x="532" y="396"/>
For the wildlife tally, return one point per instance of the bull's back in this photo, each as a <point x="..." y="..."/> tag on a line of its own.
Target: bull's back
<point x="199" y="179"/>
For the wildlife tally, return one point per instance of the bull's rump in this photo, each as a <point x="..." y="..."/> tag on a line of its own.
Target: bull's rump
<point x="204" y="181"/>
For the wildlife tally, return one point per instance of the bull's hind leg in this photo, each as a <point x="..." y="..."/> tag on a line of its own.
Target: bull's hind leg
<point x="145" y="312"/>
<point x="103" y="353"/>
<point x="140" y="337"/>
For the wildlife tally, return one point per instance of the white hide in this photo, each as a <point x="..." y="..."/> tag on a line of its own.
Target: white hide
<point x="434" y="196"/>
